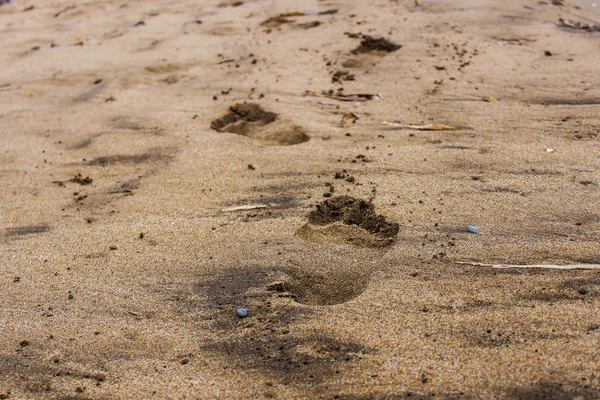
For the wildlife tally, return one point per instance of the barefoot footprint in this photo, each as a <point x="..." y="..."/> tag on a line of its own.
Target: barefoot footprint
<point x="249" y="119"/>
<point x="345" y="219"/>
<point x="347" y="239"/>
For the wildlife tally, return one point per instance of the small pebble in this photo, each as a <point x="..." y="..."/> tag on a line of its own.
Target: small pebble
<point x="242" y="312"/>
<point x="473" y="229"/>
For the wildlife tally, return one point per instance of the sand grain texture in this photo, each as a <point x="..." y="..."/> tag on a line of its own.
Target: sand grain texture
<point x="126" y="286"/>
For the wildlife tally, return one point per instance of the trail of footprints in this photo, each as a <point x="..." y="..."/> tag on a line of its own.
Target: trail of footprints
<point x="337" y="223"/>
<point x="340" y="228"/>
<point x="340" y="221"/>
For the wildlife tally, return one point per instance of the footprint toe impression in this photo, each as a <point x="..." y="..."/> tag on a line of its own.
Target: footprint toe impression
<point x="249" y="119"/>
<point x="346" y="237"/>
<point x="346" y="219"/>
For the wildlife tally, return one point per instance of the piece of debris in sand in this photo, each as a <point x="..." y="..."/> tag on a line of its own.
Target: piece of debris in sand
<point x="370" y="43"/>
<point x="245" y="208"/>
<point x="242" y="312"/>
<point x="76" y="179"/>
<point x="340" y="76"/>
<point x="326" y="12"/>
<point x="230" y="3"/>
<point x="519" y="41"/>
<point x="81" y="180"/>
<point x="539" y="266"/>
<point x="345" y="97"/>
<point x="308" y="25"/>
<point x="562" y="23"/>
<point x="313" y="13"/>
<point x="275" y="22"/>
<point x="349" y="116"/>
<point x="429" y="127"/>
<point x="58" y="14"/>
<point x="284" y="18"/>
<point x="473" y="229"/>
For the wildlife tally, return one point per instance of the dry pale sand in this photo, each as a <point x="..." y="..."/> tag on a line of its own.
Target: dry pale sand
<point x="126" y="287"/>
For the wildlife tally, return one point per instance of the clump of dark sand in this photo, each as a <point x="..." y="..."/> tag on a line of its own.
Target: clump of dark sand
<point x="370" y="43"/>
<point x="353" y="211"/>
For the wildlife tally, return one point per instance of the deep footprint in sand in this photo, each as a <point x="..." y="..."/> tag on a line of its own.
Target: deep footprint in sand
<point x="346" y="243"/>
<point x="347" y="240"/>
<point x="348" y="220"/>
<point x="370" y="51"/>
<point x="311" y="279"/>
<point x="249" y="119"/>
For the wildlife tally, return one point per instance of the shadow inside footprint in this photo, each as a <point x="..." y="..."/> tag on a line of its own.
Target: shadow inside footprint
<point x="326" y="274"/>
<point x="326" y="289"/>
<point x="249" y="119"/>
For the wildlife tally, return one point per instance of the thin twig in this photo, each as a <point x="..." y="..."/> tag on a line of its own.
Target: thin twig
<point x="540" y="266"/>
<point x="245" y="208"/>
<point x="64" y="10"/>
<point x="429" y="127"/>
<point x="346" y="97"/>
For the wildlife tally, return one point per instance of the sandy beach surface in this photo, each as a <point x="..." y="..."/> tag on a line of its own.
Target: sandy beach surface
<point x="166" y="163"/>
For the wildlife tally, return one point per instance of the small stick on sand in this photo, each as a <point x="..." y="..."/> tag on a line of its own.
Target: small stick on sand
<point x="345" y="97"/>
<point x="64" y="10"/>
<point x="245" y="208"/>
<point x="541" y="266"/>
<point x="429" y="127"/>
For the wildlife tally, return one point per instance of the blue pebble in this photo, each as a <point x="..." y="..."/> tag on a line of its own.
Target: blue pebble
<point x="242" y="312"/>
<point x="473" y="229"/>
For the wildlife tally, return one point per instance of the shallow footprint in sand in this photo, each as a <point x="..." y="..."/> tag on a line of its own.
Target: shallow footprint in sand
<point x="249" y="119"/>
